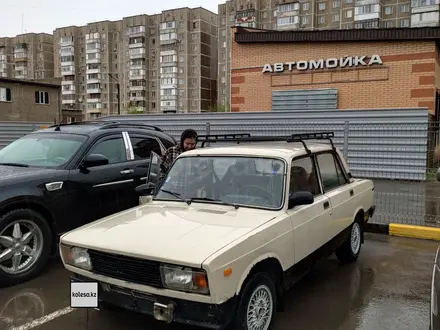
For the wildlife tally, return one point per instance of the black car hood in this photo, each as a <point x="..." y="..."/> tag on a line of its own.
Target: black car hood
<point x="22" y="173"/>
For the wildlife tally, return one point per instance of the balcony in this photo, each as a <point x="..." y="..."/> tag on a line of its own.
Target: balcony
<point x="93" y="90"/>
<point x="20" y="59"/>
<point x="93" y="100"/>
<point x="68" y="51"/>
<point x="137" y="98"/>
<point x="138" y="88"/>
<point x="168" y="97"/>
<point x="92" y="71"/>
<point x="93" y="80"/>
<point x="93" y="60"/>
<point x="137" y="76"/>
<point x="67" y="82"/>
<point x="68" y="91"/>
<point x="93" y="50"/>
<point x="66" y="43"/>
<point x="137" y="55"/>
<point x="69" y="72"/>
<point x="367" y="12"/>
<point x="245" y="16"/>
<point x="95" y="110"/>
<point x="168" y="30"/>
<point x="72" y="101"/>
<point x="136" y="31"/>
<point x="67" y="63"/>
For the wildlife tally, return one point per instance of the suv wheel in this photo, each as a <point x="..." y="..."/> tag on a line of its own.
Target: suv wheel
<point x="25" y="242"/>
<point x="349" y="251"/>
<point x="258" y="304"/>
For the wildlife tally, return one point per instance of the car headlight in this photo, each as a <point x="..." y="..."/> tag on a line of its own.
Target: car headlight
<point x="75" y="256"/>
<point x="184" y="279"/>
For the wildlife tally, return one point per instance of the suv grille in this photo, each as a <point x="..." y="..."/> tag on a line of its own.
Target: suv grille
<point x="139" y="271"/>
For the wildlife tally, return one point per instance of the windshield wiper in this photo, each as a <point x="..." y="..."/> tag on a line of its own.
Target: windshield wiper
<point x="213" y="200"/>
<point x="177" y="195"/>
<point x="15" y="164"/>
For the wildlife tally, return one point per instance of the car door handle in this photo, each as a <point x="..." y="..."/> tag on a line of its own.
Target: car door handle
<point x="326" y="205"/>
<point x="351" y="192"/>
<point x="128" y="171"/>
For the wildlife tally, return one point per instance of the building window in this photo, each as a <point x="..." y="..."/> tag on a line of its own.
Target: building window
<point x="306" y="6"/>
<point x="41" y="97"/>
<point x="348" y="1"/>
<point x="349" y="13"/>
<point x="321" y="20"/>
<point x="305" y="20"/>
<point x="388" y="24"/>
<point x="335" y="18"/>
<point x="404" y="8"/>
<point x="388" y="10"/>
<point x="404" y="23"/>
<point x="336" y="3"/>
<point x="322" y="6"/>
<point x="5" y="94"/>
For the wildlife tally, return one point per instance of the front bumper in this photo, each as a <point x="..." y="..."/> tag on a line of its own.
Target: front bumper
<point x="186" y="312"/>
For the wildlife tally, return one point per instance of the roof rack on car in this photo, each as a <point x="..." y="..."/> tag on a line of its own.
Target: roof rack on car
<point x="116" y="124"/>
<point x="246" y="137"/>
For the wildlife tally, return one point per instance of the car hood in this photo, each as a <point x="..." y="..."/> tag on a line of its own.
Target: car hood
<point x="170" y="232"/>
<point x="8" y="173"/>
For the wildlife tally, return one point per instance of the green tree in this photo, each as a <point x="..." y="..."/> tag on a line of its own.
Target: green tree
<point x="132" y="109"/>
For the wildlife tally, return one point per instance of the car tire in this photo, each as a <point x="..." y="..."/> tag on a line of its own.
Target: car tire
<point x="40" y="244"/>
<point x="260" y="289"/>
<point x="349" y="251"/>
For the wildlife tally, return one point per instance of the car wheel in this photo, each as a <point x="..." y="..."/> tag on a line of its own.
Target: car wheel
<point x="258" y="304"/>
<point x="25" y="241"/>
<point x="349" y="251"/>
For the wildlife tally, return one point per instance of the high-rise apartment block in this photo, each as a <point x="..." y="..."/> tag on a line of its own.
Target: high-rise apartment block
<point x="27" y="56"/>
<point x="147" y="63"/>
<point x="314" y="15"/>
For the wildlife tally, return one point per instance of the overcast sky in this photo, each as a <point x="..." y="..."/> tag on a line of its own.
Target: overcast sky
<point x="46" y="15"/>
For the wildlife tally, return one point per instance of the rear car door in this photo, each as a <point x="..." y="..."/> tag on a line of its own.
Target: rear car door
<point x="338" y="189"/>
<point x="310" y="222"/>
<point x="104" y="190"/>
<point x="143" y="145"/>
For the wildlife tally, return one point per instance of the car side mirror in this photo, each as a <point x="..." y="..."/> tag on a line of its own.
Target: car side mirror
<point x="438" y="174"/>
<point x="93" y="160"/>
<point x="300" y="198"/>
<point x="146" y="189"/>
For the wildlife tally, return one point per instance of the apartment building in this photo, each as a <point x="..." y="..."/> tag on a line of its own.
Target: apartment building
<point x="27" y="56"/>
<point x="147" y="63"/>
<point x="314" y="15"/>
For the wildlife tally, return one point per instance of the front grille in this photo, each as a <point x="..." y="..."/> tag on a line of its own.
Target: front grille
<point x="134" y="270"/>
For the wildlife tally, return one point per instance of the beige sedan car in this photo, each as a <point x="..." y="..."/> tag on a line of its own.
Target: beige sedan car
<point x="229" y="229"/>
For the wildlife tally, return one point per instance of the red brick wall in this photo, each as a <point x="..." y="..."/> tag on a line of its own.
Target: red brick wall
<point x="407" y="78"/>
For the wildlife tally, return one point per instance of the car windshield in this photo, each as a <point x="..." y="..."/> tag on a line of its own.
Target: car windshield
<point x="244" y="181"/>
<point x="42" y="150"/>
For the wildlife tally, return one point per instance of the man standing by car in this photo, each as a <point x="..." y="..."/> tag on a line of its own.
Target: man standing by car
<point x="187" y="142"/>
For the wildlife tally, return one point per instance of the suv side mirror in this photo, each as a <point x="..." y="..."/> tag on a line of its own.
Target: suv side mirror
<point x="146" y="189"/>
<point x="300" y="198"/>
<point x="93" y="160"/>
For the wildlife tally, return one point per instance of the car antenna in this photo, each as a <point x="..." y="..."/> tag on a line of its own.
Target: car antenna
<point x="58" y="127"/>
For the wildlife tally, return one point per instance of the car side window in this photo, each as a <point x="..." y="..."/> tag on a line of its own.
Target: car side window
<point x="331" y="172"/>
<point x="303" y="176"/>
<point x="113" y="149"/>
<point x="143" y="146"/>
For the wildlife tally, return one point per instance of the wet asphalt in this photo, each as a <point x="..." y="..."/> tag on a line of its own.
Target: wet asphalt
<point x="387" y="288"/>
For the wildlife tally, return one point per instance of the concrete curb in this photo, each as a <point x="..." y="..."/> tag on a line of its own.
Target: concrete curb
<point x="395" y="229"/>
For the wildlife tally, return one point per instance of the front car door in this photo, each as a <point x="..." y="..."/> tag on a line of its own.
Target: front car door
<point x="310" y="222"/>
<point x="338" y="189"/>
<point x="104" y="190"/>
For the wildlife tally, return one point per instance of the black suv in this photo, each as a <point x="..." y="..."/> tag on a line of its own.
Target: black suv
<point x="59" y="178"/>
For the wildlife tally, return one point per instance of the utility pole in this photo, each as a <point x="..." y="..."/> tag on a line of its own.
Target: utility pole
<point x="118" y="91"/>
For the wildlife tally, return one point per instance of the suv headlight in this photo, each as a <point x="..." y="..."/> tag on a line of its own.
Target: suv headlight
<point x="184" y="279"/>
<point x="75" y="256"/>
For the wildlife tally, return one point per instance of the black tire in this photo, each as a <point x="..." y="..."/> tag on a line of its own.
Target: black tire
<point x="37" y="219"/>
<point x="346" y="253"/>
<point x="258" y="281"/>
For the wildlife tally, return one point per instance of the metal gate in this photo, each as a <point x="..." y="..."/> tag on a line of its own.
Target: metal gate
<point x="313" y="99"/>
